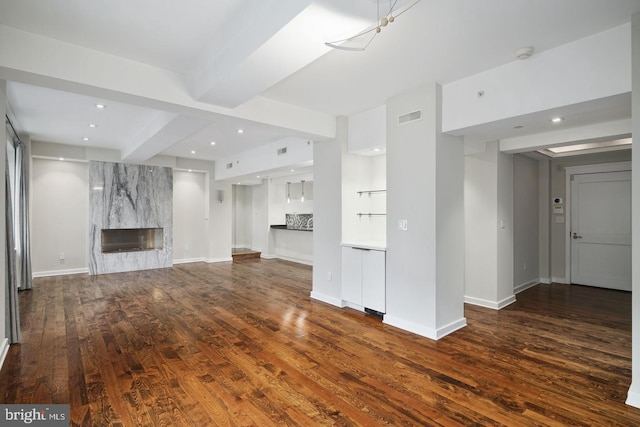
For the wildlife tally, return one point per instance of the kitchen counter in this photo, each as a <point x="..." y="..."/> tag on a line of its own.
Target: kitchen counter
<point x="284" y="227"/>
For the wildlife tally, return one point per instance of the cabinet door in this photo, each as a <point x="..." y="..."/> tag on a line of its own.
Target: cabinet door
<point x="352" y="275"/>
<point x="373" y="280"/>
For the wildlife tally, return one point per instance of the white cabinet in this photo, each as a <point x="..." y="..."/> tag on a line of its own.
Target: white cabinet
<point x="363" y="278"/>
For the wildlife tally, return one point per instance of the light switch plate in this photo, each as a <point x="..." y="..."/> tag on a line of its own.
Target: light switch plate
<point x="402" y="225"/>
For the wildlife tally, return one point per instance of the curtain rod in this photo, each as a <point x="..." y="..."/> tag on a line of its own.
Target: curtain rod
<point x="13" y="129"/>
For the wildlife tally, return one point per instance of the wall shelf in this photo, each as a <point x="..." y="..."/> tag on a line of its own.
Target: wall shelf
<point x="370" y="192"/>
<point x="360" y="214"/>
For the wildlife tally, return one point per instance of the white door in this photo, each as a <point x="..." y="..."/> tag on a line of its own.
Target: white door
<point x="601" y="230"/>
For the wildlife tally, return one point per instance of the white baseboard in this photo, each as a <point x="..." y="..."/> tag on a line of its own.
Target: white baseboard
<point x="60" y="272"/>
<point x="562" y="280"/>
<point x="352" y="305"/>
<point x="545" y="280"/>
<point x="266" y="256"/>
<point x="633" y="396"/>
<point x="525" y="286"/>
<point x="293" y="259"/>
<point x="496" y="305"/>
<point x="431" y="333"/>
<point x="4" y="349"/>
<point x="187" y="260"/>
<point x="337" y="302"/>
<point x="212" y="260"/>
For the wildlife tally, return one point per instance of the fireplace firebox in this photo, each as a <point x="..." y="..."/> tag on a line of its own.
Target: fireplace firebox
<point x="131" y="239"/>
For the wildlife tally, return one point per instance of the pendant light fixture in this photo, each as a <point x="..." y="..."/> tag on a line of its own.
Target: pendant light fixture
<point x="288" y="192"/>
<point x="362" y="40"/>
<point x="302" y="187"/>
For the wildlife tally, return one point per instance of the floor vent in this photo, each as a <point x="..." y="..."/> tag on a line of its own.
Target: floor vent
<point x="410" y="117"/>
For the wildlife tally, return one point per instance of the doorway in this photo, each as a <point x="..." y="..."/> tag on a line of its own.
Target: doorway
<point x="599" y="230"/>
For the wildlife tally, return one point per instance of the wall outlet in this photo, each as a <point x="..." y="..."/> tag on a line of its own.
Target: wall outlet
<point x="524" y="266"/>
<point x="402" y="225"/>
<point x="61" y="257"/>
<point x="329" y="276"/>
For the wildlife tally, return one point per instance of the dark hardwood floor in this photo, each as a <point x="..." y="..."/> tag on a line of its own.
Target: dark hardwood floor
<point x="243" y="344"/>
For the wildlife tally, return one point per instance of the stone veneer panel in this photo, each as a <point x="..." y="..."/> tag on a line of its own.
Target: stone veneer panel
<point x="299" y="221"/>
<point x="129" y="196"/>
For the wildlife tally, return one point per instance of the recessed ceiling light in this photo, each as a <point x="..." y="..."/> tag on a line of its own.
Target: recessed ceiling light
<point x="213" y="143"/>
<point x="257" y="176"/>
<point x="101" y="106"/>
<point x="93" y="125"/>
<point x="376" y="149"/>
<point x="85" y="138"/>
<point x="61" y="159"/>
<point x="190" y="170"/>
<point x="240" y="131"/>
<point x="193" y="151"/>
<point x="557" y="119"/>
<point x="293" y="170"/>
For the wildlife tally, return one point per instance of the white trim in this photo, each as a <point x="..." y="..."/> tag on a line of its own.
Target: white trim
<point x="267" y="256"/>
<point x="545" y="280"/>
<point x="4" y="350"/>
<point x="337" y="302"/>
<point x="431" y="333"/>
<point x="579" y="170"/>
<point x="525" y="286"/>
<point x="561" y="280"/>
<point x="495" y="305"/>
<point x="213" y="260"/>
<point x="352" y="305"/>
<point x="188" y="260"/>
<point x="633" y="396"/>
<point x="60" y="272"/>
<point x="292" y="259"/>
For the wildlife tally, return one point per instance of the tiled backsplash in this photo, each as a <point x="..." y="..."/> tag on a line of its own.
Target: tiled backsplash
<point x="299" y="221"/>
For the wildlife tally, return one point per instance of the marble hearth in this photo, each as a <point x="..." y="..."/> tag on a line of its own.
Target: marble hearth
<point x="135" y="198"/>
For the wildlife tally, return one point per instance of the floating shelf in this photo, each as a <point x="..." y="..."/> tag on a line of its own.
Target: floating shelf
<point x="370" y="214"/>
<point x="370" y="192"/>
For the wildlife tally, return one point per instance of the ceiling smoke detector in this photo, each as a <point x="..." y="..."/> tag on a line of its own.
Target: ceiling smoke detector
<point x="524" y="52"/>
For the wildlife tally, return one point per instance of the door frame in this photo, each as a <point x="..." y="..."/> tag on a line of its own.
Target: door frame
<point x="579" y="170"/>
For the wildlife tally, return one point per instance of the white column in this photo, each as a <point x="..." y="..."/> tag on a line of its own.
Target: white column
<point x="425" y="262"/>
<point x="489" y="227"/>
<point x="219" y="227"/>
<point x="327" y="216"/>
<point x="633" y="397"/>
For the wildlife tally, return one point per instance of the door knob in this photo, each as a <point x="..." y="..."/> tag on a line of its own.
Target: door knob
<point x="575" y="236"/>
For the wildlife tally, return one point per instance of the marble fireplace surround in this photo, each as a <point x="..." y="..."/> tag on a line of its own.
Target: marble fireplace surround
<point x="127" y="197"/>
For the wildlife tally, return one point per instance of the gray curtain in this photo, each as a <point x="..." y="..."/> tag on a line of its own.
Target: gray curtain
<point x="22" y="165"/>
<point x="12" y="315"/>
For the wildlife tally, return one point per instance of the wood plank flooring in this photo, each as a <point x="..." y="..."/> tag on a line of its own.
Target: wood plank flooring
<point x="242" y="344"/>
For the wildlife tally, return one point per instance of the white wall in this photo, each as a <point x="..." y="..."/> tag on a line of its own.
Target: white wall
<point x="557" y="77"/>
<point x="59" y="216"/>
<point x="526" y="222"/>
<point x="327" y="216"/>
<point x="544" y="214"/>
<point x="260" y="218"/>
<point x="4" y="345"/>
<point x="633" y="397"/>
<point x="188" y="216"/>
<point x="242" y="216"/>
<point x="489" y="228"/>
<point x="60" y="191"/>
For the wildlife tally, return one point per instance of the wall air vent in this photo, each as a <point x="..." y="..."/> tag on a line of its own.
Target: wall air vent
<point x="282" y="151"/>
<point x="229" y="165"/>
<point x="410" y="117"/>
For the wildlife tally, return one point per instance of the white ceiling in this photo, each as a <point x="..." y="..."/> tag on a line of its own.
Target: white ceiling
<point x="272" y="50"/>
